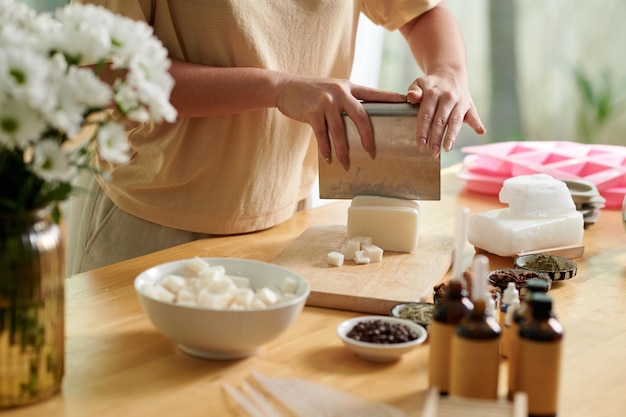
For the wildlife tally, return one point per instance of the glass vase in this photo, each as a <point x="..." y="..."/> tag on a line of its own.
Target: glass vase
<point x="32" y="334"/>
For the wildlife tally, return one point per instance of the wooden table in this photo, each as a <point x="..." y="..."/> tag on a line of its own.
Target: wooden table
<point x="118" y="365"/>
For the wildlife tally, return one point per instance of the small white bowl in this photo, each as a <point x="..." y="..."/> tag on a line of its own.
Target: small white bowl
<point x="223" y="334"/>
<point x="380" y="352"/>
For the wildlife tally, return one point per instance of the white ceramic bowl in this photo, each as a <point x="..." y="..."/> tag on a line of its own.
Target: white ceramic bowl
<point x="223" y="334"/>
<point x="380" y="352"/>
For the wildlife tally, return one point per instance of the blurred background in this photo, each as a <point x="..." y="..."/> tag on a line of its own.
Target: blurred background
<point x="539" y="70"/>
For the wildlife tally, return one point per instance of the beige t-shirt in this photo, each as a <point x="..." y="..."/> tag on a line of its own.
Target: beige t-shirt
<point x="241" y="172"/>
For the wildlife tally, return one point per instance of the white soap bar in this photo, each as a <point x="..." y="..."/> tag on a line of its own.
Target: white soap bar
<point x="501" y="233"/>
<point x="391" y="228"/>
<point x="378" y="201"/>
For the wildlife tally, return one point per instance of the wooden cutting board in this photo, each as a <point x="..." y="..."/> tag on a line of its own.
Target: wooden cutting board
<point x="373" y="288"/>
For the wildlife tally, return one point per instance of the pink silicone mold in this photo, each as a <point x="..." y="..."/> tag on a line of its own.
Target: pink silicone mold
<point x="487" y="166"/>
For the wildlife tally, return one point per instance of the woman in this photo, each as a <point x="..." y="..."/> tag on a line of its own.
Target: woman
<point x="260" y="88"/>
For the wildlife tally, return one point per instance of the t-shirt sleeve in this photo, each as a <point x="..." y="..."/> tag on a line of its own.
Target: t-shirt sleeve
<point x="392" y="14"/>
<point x="142" y="10"/>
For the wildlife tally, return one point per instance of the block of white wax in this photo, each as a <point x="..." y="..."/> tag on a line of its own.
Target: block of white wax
<point x="539" y="194"/>
<point x="541" y="215"/>
<point x="501" y="233"/>
<point x="391" y="228"/>
<point x="374" y="200"/>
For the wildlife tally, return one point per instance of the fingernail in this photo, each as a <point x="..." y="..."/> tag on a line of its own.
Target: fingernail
<point x="372" y="153"/>
<point x="327" y="158"/>
<point x="448" y="145"/>
<point x="434" y="150"/>
<point x="346" y="164"/>
<point x="421" y="145"/>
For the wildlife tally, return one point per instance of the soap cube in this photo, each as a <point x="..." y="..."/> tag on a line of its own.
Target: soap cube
<point x="335" y="258"/>
<point x="361" y="258"/>
<point x="351" y="247"/>
<point x="208" y="299"/>
<point x="374" y="253"/>
<point x="174" y="283"/>
<point x="289" y="286"/>
<point x="197" y="264"/>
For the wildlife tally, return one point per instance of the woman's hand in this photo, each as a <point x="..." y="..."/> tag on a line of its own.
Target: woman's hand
<point x="320" y="102"/>
<point x="444" y="105"/>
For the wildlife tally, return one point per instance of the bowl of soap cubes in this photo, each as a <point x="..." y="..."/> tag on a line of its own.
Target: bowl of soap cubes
<point x="221" y="308"/>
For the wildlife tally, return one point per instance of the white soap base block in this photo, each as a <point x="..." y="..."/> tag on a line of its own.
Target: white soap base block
<point x="569" y="252"/>
<point x="391" y="228"/>
<point x="498" y="233"/>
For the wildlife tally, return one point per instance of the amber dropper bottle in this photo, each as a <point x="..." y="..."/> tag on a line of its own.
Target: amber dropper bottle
<point x="446" y="315"/>
<point x="475" y="363"/>
<point x="539" y="358"/>
<point x="533" y="286"/>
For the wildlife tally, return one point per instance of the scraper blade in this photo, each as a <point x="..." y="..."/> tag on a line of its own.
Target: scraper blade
<point x="399" y="170"/>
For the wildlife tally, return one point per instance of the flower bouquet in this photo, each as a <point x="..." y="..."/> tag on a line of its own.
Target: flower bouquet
<point x="69" y="83"/>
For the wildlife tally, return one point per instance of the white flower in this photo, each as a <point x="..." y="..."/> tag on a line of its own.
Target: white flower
<point x="51" y="163"/>
<point x="23" y="75"/>
<point x="112" y="143"/>
<point x="20" y="124"/>
<point x="51" y="89"/>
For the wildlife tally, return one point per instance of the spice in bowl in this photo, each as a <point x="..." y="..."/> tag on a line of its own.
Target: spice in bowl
<point x="420" y="313"/>
<point x="381" y="338"/>
<point x="556" y="267"/>
<point x="383" y="332"/>
<point x="500" y="278"/>
<point x="439" y="290"/>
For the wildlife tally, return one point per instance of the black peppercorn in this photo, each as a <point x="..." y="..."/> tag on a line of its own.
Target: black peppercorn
<point x="381" y="332"/>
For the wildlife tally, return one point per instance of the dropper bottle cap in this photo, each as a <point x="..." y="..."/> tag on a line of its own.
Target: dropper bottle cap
<point x="510" y="293"/>
<point x="480" y="266"/>
<point x="537" y="285"/>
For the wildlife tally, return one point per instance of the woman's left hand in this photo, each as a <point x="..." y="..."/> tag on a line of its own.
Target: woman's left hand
<point x="444" y="105"/>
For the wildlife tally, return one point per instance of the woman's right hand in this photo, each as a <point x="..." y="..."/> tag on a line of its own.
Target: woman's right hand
<point x="320" y="102"/>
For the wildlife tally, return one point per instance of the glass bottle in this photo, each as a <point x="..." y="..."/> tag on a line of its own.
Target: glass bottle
<point x="446" y="315"/>
<point x="533" y="286"/>
<point x="475" y="358"/>
<point x="539" y="358"/>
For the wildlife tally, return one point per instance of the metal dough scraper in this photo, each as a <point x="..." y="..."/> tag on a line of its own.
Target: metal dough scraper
<point x="399" y="169"/>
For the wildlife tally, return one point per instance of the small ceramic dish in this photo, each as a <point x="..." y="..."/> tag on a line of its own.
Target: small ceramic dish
<point x="378" y="352"/>
<point x="500" y="278"/>
<point x="556" y="267"/>
<point x="420" y="313"/>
